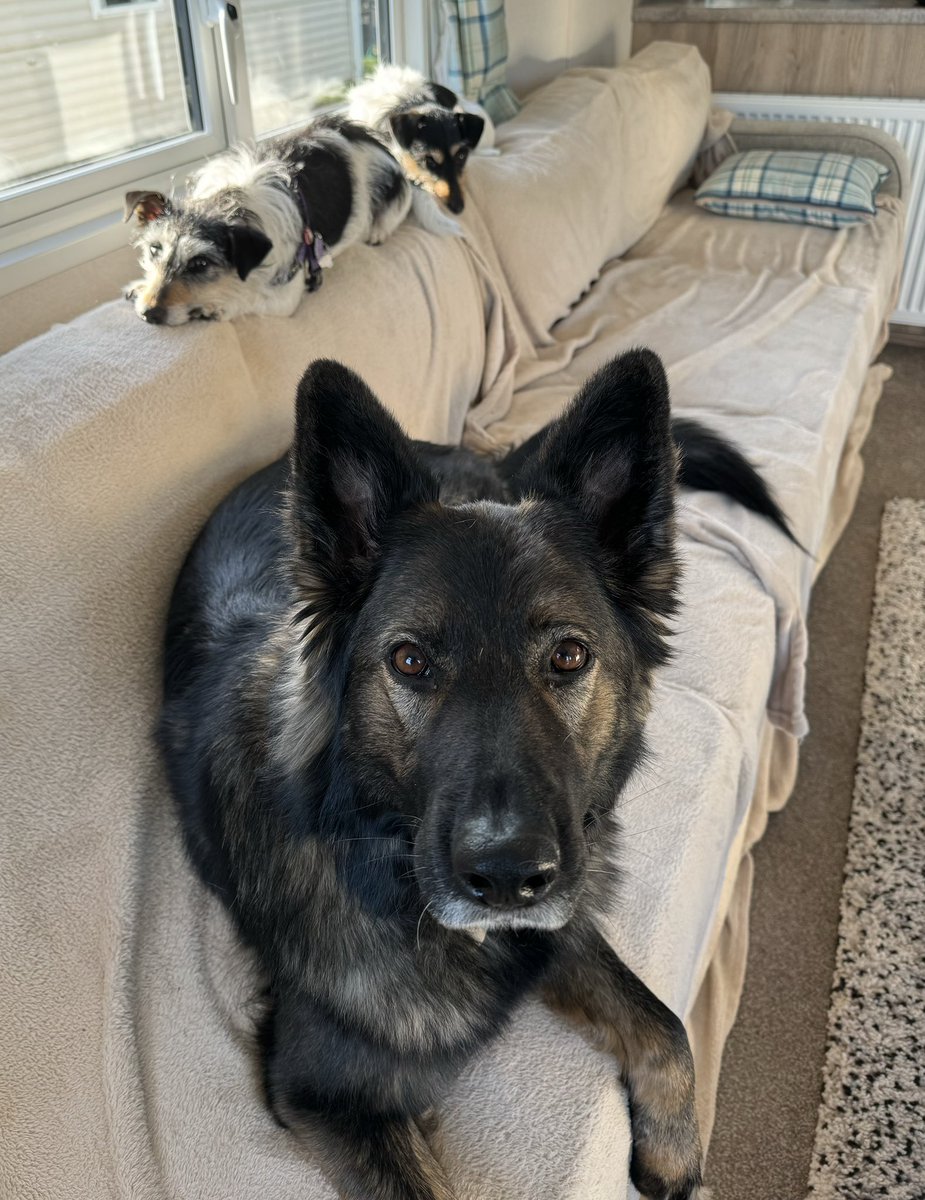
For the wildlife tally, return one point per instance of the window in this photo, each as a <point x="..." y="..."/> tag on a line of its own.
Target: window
<point x="303" y="54"/>
<point x="83" y="89"/>
<point x="100" y="96"/>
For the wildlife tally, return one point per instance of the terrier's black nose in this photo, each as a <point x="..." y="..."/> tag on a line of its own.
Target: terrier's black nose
<point x="156" y="315"/>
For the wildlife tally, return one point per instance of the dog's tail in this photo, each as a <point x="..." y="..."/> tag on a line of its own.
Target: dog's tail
<point x="712" y="464"/>
<point x="707" y="461"/>
<point x="426" y="210"/>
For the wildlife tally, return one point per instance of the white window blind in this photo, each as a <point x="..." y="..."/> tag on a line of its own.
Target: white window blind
<point x="83" y="82"/>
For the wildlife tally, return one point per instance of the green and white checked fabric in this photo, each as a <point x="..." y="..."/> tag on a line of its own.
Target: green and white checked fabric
<point x="476" y="55"/>
<point x="802" y="186"/>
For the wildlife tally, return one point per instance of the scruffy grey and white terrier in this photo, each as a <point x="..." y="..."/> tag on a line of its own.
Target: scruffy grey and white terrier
<point x="258" y="223"/>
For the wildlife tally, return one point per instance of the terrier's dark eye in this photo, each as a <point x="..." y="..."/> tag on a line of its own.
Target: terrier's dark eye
<point x="154" y="249"/>
<point x="409" y="659"/>
<point x="461" y="156"/>
<point x="569" y="656"/>
<point x="431" y="164"/>
<point x="197" y="265"/>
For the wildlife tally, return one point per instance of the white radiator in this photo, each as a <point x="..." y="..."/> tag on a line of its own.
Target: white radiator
<point x="905" y="120"/>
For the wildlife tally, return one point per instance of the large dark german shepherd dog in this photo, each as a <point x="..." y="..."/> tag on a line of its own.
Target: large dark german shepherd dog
<point x="404" y="688"/>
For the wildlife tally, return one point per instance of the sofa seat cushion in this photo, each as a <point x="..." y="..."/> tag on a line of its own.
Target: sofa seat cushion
<point x="767" y="331"/>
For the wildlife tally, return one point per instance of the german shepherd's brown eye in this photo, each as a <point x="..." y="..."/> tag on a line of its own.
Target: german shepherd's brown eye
<point x="569" y="656"/>
<point x="197" y="265"/>
<point x="409" y="659"/>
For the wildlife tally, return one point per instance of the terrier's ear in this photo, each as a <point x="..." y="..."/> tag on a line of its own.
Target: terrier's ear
<point x="247" y="248"/>
<point x="145" y="206"/>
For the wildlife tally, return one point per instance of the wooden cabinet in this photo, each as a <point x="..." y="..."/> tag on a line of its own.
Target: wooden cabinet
<point x="798" y="56"/>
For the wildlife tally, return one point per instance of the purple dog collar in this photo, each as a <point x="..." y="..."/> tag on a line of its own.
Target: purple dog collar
<point x="312" y="255"/>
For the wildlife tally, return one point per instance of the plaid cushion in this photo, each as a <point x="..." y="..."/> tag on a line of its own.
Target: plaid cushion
<point x="804" y="186"/>
<point x="476" y="55"/>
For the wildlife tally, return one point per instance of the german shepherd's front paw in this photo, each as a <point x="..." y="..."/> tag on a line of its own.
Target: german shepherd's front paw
<point x="131" y="290"/>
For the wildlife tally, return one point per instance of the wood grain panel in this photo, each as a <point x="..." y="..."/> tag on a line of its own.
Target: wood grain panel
<point x="803" y="59"/>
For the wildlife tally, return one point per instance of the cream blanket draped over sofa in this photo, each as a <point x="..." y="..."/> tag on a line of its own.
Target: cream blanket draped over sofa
<point x="127" y="1059"/>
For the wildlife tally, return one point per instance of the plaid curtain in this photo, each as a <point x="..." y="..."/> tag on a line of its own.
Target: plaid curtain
<point x="472" y="54"/>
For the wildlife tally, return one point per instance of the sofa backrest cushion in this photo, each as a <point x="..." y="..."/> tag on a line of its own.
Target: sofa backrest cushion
<point x="584" y="171"/>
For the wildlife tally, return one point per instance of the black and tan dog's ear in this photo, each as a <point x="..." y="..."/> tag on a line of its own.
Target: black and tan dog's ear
<point x="612" y="456"/>
<point x="247" y="248"/>
<point x="405" y="127"/>
<point x="443" y="96"/>
<point x="352" y="470"/>
<point x="470" y="126"/>
<point x="145" y="206"/>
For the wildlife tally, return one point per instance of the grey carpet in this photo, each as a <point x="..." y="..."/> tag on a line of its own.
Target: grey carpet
<point x="870" y="1140"/>
<point x="771" y="1082"/>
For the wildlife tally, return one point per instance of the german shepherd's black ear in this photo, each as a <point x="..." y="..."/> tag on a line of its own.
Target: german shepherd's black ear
<point x="470" y="126"/>
<point x="247" y="248"/>
<point x="612" y="455"/>
<point x="351" y="470"/>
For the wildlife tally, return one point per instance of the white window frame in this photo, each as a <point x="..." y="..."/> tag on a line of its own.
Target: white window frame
<point x="52" y="224"/>
<point x="101" y="9"/>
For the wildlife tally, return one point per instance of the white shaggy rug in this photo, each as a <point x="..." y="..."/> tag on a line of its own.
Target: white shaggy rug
<point x="870" y="1138"/>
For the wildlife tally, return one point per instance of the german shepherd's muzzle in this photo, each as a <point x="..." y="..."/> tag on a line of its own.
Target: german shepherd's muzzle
<point x="404" y="689"/>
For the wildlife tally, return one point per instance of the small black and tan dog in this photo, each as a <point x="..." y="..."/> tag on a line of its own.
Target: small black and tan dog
<point x="405" y="687"/>
<point x="423" y="125"/>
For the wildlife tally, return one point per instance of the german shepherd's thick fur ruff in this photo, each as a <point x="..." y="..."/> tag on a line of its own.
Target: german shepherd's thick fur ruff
<point x="405" y="687"/>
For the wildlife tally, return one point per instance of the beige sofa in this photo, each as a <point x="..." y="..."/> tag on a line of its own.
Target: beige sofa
<point x="128" y="1065"/>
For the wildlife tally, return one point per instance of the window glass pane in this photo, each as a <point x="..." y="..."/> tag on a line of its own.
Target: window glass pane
<point x="87" y="80"/>
<point x="302" y="55"/>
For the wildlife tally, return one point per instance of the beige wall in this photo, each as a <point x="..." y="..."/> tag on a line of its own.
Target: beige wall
<point x="546" y="36"/>
<point x="34" y="309"/>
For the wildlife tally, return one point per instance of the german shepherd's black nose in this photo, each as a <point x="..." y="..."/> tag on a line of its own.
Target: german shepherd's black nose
<point x="506" y="873"/>
<point x="156" y="315"/>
